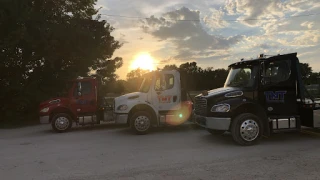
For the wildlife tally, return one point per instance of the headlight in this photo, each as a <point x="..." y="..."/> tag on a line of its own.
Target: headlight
<point x="44" y="110"/>
<point x="55" y="101"/>
<point x="221" y="108"/>
<point x="122" y="107"/>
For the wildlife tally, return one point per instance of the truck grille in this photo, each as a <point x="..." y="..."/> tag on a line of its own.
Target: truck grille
<point x="200" y="106"/>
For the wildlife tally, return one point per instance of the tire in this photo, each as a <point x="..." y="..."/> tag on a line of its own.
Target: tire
<point x="61" y="122"/>
<point x="246" y="129"/>
<point x="140" y="122"/>
<point x="216" y="132"/>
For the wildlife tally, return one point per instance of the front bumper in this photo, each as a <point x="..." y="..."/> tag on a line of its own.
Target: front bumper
<point x="44" y="120"/>
<point x="215" y="123"/>
<point x="120" y="118"/>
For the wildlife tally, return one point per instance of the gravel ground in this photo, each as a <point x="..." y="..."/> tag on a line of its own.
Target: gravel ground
<point x="112" y="152"/>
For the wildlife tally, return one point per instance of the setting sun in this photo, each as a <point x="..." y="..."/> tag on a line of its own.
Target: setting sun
<point x="143" y="61"/>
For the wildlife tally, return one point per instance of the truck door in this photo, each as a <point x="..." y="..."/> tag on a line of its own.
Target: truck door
<point x="84" y="100"/>
<point x="278" y="88"/>
<point x="166" y="94"/>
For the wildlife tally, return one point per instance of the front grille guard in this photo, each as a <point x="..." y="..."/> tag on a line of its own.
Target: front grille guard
<point x="200" y="106"/>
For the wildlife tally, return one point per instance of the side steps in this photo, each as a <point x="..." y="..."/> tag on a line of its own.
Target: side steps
<point x="284" y="123"/>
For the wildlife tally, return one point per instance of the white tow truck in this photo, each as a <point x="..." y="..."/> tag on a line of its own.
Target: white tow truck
<point x="161" y="100"/>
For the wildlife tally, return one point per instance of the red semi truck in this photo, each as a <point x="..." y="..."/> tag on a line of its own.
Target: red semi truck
<point x="161" y="100"/>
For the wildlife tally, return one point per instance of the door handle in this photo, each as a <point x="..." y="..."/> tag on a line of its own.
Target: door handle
<point x="175" y="98"/>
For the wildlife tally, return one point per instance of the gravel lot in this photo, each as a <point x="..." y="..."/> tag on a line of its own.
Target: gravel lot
<point x="112" y="152"/>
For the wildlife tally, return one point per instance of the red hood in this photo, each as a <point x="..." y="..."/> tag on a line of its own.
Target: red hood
<point x="53" y="101"/>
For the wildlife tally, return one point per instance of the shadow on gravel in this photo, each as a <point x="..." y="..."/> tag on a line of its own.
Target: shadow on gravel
<point x="165" y="130"/>
<point x="121" y="129"/>
<point x="288" y="137"/>
<point x="99" y="127"/>
<point x="224" y="139"/>
<point x="274" y="139"/>
<point x="87" y="128"/>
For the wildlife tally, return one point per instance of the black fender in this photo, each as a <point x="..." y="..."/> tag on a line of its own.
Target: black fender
<point x="256" y="109"/>
<point x="242" y="105"/>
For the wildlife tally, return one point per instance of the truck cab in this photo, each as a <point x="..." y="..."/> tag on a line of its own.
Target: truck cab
<point x="260" y="97"/>
<point x="160" y="100"/>
<point x="81" y="103"/>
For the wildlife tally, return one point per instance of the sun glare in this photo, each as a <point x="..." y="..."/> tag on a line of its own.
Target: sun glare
<point x="143" y="61"/>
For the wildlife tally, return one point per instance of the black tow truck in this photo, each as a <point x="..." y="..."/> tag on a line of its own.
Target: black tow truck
<point x="260" y="97"/>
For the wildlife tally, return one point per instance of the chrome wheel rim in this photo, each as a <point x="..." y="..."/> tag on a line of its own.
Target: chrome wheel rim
<point x="142" y="123"/>
<point x="249" y="130"/>
<point x="62" y="123"/>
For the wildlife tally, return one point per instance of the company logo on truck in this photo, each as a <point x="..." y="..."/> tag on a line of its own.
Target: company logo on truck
<point x="82" y="102"/>
<point x="164" y="99"/>
<point x="275" y="96"/>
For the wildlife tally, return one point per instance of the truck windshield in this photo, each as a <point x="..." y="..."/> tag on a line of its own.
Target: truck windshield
<point x="242" y="76"/>
<point x="145" y="85"/>
<point x="67" y="87"/>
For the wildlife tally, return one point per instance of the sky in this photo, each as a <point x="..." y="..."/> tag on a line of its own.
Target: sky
<point x="213" y="33"/>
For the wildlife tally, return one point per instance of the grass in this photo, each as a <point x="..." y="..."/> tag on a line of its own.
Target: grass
<point x="18" y="124"/>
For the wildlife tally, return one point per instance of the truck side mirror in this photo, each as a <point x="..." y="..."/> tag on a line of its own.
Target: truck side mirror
<point x="266" y="80"/>
<point x="79" y="89"/>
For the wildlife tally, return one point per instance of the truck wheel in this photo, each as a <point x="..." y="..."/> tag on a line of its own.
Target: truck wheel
<point x="246" y="129"/>
<point x="216" y="132"/>
<point x="140" y="122"/>
<point x="61" y="122"/>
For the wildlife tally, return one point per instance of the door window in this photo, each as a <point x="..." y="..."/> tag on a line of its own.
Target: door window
<point x="86" y="88"/>
<point x="277" y="72"/>
<point x="164" y="82"/>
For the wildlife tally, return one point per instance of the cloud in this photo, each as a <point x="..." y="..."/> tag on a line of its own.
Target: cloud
<point x="307" y="24"/>
<point x="288" y="23"/>
<point x="253" y="9"/>
<point x="182" y="28"/>
<point x="264" y="46"/>
<point x="215" y="20"/>
<point x="221" y="31"/>
<point x="256" y="13"/>
<point x="309" y="38"/>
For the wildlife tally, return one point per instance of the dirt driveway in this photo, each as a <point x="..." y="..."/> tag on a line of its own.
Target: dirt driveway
<point x="112" y="152"/>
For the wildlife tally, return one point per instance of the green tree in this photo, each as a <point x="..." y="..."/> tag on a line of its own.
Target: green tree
<point x="45" y="42"/>
<point x="195" y="78"/>
<point x="190" y="68"/>
<point x="170" y="67"/>
<point x="134" y="79"/>
<point x="136" y="73"/>
<point x="306" y="70"/>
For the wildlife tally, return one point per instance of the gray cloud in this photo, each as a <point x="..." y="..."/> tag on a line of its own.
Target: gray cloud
<point x="268" y="46"/>
<point x="188" y="37"/>
<point x="183" y="54"/>
<point x="274" y="10"/>
<point x="255" y="9"/>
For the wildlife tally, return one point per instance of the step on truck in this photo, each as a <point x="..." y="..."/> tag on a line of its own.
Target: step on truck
<point x="260" y="97"/>
<point x="160" y="101"/>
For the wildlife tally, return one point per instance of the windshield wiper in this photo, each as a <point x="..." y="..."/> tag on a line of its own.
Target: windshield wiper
<point x="238" y="84"/>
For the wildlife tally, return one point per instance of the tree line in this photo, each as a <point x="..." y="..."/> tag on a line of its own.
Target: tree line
<point x="43" y="43"/>
<point x="198" y="78"/>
